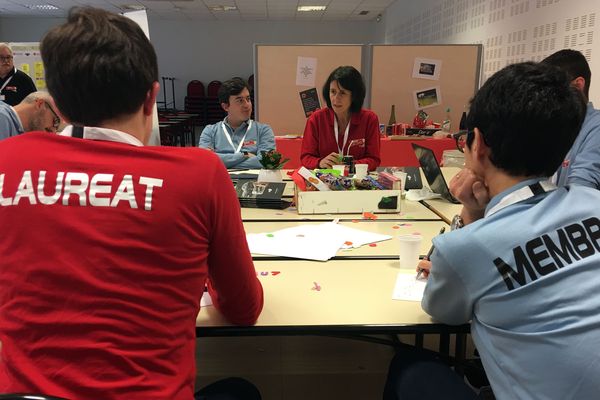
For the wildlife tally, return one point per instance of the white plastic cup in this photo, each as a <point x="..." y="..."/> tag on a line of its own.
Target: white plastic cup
<point x="410" y="248"/>
<point x="402" y="175"/>
<point x="360" y="170"/>
<point x="341" y="168"/>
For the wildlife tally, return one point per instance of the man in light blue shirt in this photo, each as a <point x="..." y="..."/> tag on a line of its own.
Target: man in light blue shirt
<point x="524" y="270"/>
<point x="10" y="124"/>
<point x="237" y="140"/>
<point x="581" y="166"/>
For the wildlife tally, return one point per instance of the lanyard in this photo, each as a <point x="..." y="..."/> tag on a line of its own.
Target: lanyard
<point x="522" y="194"/>
<point x="8" y="80"/>
<point x="229" y="136"/>
<point x="336" y="132"/>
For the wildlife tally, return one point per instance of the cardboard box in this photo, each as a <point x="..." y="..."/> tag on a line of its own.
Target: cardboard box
<point x="351" y="201"/>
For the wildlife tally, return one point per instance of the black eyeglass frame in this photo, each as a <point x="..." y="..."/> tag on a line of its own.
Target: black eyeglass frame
<point x="456" y="136"/>
<point x="56" y="122"/>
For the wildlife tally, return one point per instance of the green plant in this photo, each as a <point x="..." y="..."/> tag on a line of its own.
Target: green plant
<point x="272" y="159"/>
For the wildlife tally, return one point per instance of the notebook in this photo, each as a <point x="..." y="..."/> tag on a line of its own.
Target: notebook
<point x="260" y="195"/>
<point x="433" y="172"/>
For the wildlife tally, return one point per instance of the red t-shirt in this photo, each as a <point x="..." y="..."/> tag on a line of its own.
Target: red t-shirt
<point x="319" y="138"/>
<point x="105" y="252"/>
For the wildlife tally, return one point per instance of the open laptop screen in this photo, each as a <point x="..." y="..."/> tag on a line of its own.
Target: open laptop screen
<point x="433" y="172"/>
<point x="413" y="176"/>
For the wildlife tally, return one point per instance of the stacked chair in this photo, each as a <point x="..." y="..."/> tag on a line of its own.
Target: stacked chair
<point x="178" y="128"/>
<point x="214" y="111"/>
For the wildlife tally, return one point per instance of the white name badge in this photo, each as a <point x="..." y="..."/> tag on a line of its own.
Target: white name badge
<point x="2" y="97"/>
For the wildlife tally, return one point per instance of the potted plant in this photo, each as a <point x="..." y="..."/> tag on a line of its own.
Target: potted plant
<point x="272" y="161"/>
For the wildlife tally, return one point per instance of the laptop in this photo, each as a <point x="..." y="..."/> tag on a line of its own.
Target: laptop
<point x="413" y="176"/>
<point x="433" y="172"/>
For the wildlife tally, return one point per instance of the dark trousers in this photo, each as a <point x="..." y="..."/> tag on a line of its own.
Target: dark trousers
<point x="229" y="389"/>
<point x="417" y="374"/>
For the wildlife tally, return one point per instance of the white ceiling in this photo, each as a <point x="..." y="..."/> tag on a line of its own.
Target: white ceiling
<point x="198" y="10"/>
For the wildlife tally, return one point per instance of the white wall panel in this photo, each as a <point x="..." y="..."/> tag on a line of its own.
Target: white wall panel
<point x="510" y="30"/>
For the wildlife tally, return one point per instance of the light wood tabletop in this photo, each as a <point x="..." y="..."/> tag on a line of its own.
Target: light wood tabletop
<point x="352" y="295"/>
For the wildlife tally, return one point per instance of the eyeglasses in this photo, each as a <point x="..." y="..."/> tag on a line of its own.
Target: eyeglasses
<point x="460" y="138"/>
<point x="6" y="58"/>
<point x="56" y="122"/>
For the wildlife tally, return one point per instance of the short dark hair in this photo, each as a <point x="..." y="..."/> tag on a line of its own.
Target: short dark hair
<point x="350" y="79"/>
<point x="231" y="87"/>
<point x="529" y="115"/>
<point x="99" y="65"/>
<point x="574" y="64"/>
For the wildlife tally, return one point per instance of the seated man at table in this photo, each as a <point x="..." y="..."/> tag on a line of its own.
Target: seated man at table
<point x="237" y="140"/>
<point x="34" y="113"/>
<point x="524" y="268"/>
<point x="109" y="244"/>
<point x="582" y="163"/>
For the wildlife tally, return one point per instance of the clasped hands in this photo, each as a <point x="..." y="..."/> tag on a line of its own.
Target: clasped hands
<point x="471" y="191"/>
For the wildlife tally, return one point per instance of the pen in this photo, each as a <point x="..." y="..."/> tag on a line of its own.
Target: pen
<point x="429" y="254"/>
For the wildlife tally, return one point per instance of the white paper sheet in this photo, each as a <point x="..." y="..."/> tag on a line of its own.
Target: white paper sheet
<point x="357" y="237"/>
<point x="306" y="70"/>
<point x="310" y="241"/>
<point x="408" y="288"/>
<point x="206" y="300"/>
<point x="304" y="241"/>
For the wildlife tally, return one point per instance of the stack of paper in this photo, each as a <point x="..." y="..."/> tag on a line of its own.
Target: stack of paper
<point x="311" y="241"/>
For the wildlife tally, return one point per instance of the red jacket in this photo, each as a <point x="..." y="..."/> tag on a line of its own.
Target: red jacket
<point x="319" y="138"/>
<point x="103" y="260"/>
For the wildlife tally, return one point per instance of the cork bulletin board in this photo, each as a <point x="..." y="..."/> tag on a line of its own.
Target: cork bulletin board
<point x="429" y="77"/>
<point x="281" y="72"/>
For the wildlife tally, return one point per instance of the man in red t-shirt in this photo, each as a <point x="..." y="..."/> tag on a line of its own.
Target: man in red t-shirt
<point x="109" y="245"/>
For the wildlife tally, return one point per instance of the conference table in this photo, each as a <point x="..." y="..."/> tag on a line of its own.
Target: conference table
<point x="354" y="296"/>
<point x="396" y="152"/>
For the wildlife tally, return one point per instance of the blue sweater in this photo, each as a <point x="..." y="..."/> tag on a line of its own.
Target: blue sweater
<point x="528" y="279"/>
<point x="258" y="138"/>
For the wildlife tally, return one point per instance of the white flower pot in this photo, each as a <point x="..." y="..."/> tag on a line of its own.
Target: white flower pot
<point x="270" y="175"/>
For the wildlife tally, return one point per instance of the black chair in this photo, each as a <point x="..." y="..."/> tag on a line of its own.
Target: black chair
<point x="25" y="396"/>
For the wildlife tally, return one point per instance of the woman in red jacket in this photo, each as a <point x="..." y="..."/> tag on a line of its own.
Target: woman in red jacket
<point x="344" y="127"/>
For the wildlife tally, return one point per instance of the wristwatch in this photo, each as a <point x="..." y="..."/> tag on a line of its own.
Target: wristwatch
<point x="457" y="222"/>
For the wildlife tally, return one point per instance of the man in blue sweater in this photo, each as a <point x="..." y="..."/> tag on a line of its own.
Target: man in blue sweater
<point x="237" y="139"/>
<point x="581" y="165"/>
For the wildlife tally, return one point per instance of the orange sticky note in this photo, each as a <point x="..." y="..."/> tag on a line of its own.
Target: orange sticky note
<point x="369" y="215"/>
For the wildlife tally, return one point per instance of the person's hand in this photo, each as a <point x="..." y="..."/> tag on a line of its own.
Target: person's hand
<point x="250" y="155"/>
<point x="329" y="161"/>
<point x="471" y="191"/>
<point x="424" y="266"/>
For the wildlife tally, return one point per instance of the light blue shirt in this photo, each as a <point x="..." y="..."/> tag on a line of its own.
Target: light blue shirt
<point x="258" y="138"/>
<point x="10" y="125"/>
<point x="582" y="163"/>
<point x="528" y="279"/>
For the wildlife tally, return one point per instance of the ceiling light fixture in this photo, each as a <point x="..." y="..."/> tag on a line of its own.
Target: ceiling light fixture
<point x="43" y="7"/>
<point x="222" y="8"/>
<point x="311" y="8"/>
